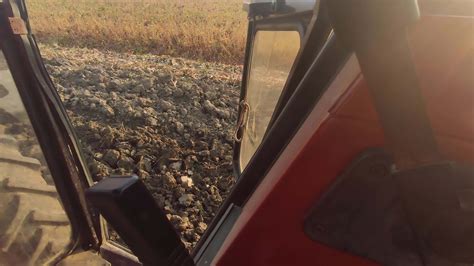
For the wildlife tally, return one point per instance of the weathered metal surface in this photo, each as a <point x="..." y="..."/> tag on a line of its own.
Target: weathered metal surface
<point x="18" y="26"/>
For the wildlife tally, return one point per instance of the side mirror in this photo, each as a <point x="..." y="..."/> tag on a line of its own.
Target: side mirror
<point x="129" y="207"/>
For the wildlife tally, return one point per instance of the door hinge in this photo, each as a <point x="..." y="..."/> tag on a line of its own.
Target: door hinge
<point x="18" y="26"/>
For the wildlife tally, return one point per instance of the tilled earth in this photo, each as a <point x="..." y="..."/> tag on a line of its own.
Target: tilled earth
<point x="168" y="120"/>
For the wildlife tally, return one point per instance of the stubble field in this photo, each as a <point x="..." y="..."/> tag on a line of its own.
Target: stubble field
<point x="211" y="30"/>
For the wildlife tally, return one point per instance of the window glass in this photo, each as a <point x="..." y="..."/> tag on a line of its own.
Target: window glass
<point x="34" y="228"/>
<point x="272" y="57"/>
<point x="139" y="101"/>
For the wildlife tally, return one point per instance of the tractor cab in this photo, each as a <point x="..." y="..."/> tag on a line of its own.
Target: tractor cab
<point x="354" y="145"/>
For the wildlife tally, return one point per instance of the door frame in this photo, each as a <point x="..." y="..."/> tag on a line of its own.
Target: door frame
<point x="50" y="123"/>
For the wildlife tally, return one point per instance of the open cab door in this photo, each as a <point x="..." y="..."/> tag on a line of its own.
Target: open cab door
<point x="276" y="36"/>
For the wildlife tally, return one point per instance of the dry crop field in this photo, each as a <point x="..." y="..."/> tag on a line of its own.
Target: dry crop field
<point x="212" y="30"/>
